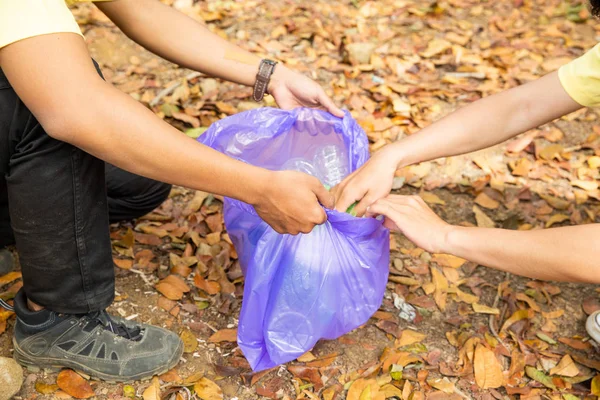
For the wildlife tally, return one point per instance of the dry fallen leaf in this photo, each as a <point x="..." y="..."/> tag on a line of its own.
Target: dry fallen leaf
<point x="448" y="260"/>
<point x="409" y="337"/>
<point x="11" y="276"/>
<point x="208" y="390"/>
<point x="224" y="335"/>
<point x="486" y="201"/>
<point x="73" y="384"/>
<point x="488" y="371"/>
<point x="483" y="309"/>
<point x="483" y="221"/>
<point x="153" y="391"/>
<point x="566" y="367"/>
<point x="45" y="388"/>
<point x="431" y="198"/>
<point x="190" y="343"/>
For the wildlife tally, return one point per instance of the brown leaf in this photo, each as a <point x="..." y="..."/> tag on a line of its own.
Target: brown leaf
<point x="448" y="260"/>
<point x="195" y="122"/>
<point x="435" y="47"/>
<point x="123" y="263"/>
<point x="486" y="201"/>
<point x="153" y="391"/>
<point x="576" y="343"/>
<point x="306" y="357"/>
<point x="208" y="390"/>
<point x="151" y="240"/>
<point x="73" y="384"/>
<point x="224" y="335"/>
<point x="517" y="316"/>
<point x="431" y="198"/>
<point x="210" y="287"/>
<point x="488" y="371"/>
<point x="566" y="367"/>
<point x="169" y="290"/>
<point x="409" y="337"/>
<point x="483" y="221"/>
<point x="190" y="343"/>
<point x="591" y="305"/>
<point x="308" y="374"/>
<point x="195" y="204"/>
<point x="171" y="376"/>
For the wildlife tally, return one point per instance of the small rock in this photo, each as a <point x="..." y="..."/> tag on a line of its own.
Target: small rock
<point x="360" y="53"/>
<point x="11" y="378"/>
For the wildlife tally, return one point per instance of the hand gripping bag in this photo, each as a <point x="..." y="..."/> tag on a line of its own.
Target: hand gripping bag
<point x="299" y="289"/>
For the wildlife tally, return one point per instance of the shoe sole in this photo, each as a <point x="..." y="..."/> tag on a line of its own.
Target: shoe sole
<point x="55" y="365"/>
<point x="592" y="327"/>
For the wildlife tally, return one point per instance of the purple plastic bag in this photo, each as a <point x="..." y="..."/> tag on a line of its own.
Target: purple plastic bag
<point x="299" y="289"/>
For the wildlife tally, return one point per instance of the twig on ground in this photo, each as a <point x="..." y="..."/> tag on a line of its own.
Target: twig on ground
<point x="491" y="321"/>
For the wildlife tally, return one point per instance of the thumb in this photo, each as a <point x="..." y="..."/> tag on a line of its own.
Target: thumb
<point x="330" y="105"/>
<point x="326" y="199"/>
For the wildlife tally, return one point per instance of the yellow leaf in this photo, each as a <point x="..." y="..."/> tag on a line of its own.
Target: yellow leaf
<point x="431" y="198"/>
<point x="566" y="367"/>
<point x="488" y="371"/>
<point x="556" y="219"/>
<point x="153" y="391"/>
<point x="466" y="297"/>
<point x="585" y="185"/>
<point x="409" y="337"/>
<point x="190" y="344"/>
<point x="483" y="221"/>
<point x="550" y="152"/>
<point x="483" y="309"/>
<point x="442" y="384"/>
<point x="208" y="390"/>
<point x="594" y="162"/>
<point x="486" y="201"/>
<point x="595" y="390"/>
<point x="45" y="388"/>
<point x="306" y="357"/>
<point x="436" y="46"/>
<point x="517" y="316"/>
<point x="441" y="288"/>
<point x="11" y="276"/>
<point x="391" y="391"/>
<point x="448" y="260"/>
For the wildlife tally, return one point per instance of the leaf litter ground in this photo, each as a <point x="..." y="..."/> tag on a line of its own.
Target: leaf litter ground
<point x="397" y="65"/>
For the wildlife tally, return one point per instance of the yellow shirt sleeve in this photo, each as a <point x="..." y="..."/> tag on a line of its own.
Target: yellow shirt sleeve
<point x="22" y="19"/>
<point x="581" y="78"/>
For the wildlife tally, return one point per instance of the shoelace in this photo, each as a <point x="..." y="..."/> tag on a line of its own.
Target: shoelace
<point x="104" y="319"/>
<point x="7" y="306"/>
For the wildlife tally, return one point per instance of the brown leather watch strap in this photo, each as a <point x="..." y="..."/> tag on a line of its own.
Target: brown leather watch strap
<point x="265" y="70"/>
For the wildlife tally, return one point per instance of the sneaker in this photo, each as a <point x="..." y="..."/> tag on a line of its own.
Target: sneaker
<point x="102" y="346"/>
<point x="592" y="326"/>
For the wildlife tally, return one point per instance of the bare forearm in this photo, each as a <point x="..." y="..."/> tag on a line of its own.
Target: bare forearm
<point x="488" y="121"/>
<point x="181" y="40"/>
<point x="119" y="130"/>
<point x="561" y="254"/>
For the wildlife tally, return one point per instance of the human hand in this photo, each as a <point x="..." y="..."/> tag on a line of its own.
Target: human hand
<point x="292" y="89"/>
<point x="369" y="183"/>
<point x="413" y="218"/>
<point x="290" y="202"/>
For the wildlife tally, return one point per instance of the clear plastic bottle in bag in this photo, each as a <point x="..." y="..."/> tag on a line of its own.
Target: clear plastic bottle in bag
<point x="300" y="165"/>
<point x="331" y="164"/>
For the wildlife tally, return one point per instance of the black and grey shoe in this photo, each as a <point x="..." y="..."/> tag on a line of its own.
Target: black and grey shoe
<point x="102" y="346"/>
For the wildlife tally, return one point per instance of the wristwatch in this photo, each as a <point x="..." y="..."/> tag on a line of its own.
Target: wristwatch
<point x="263" y="77"/>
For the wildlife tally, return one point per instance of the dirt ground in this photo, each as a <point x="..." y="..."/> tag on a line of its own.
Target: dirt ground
<point x="415" y="62"/>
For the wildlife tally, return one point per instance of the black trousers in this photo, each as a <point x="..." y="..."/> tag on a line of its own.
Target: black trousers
<point x="56" y="202"/>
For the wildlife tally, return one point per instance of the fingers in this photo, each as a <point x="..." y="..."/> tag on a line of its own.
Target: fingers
<point x="323" y="195"/>
<point x="330" y="105"/>
<point x="363" y="204"/>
